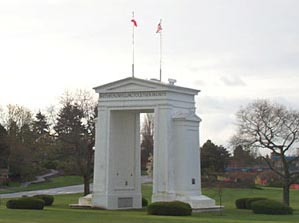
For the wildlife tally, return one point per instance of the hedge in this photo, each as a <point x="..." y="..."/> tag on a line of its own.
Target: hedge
<point x="249" y="201"/>
<point x="48" y="199"/>
<point x="25" y="203"/>
<point x="245" y="203"/>
<point x="241" y="203"/>
<point x="270" y="207"/>
<point x="172" y="208"/>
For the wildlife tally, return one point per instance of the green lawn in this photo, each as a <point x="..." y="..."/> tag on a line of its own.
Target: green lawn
<point x="61" y="213"/>
<point x="54" y="182"/>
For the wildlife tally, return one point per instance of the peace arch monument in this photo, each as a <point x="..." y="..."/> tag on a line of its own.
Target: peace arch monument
<point x="176" y="171"/>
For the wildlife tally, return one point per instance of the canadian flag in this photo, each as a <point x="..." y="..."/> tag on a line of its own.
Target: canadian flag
<point x="159" y="28"/>
<point x="134" y="22"/>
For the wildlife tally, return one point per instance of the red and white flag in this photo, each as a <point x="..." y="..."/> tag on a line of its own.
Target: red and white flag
<point x="134" y="22"/>
<point x="159" y="28"/>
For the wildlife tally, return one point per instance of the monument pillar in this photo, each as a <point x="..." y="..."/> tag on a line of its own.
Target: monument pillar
<point x="163" y="154"/>
<point x="101" y="157"/>
<point x="117" y="173"/>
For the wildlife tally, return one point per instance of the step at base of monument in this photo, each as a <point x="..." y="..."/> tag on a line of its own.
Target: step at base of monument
<point x="199" y="203"/>
<point x="84" y="202"/>
<point x="196" y="202"/>
<point x="79" y="206"/>
<point x="209" y="209"/>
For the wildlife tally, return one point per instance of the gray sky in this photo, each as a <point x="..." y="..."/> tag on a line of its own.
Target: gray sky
<point x="234" y="51"/>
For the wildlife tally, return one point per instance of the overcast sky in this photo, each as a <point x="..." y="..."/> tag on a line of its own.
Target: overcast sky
<point x="234" y="51"/>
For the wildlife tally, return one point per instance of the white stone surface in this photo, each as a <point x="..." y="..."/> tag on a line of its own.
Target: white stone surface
<point x="176" y="174"/>
<point x="86" y="200"/>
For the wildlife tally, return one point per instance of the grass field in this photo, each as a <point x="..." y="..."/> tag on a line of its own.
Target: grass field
<point x="61" y="213"/>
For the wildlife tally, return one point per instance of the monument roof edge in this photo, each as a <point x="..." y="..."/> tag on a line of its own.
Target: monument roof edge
<point x="167" y="86"/>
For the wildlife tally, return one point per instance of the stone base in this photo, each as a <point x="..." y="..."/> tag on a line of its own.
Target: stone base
<point x="195" y="201"/>
<point x="111" y="202"/>
<point x="199" y="203"/>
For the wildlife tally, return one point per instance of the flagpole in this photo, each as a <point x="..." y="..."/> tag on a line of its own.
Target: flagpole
<point x="133" y="50"/>
<point x="161" y="51"/>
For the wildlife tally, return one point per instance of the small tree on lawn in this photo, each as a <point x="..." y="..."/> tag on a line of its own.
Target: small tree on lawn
<point x="265" y="125"/>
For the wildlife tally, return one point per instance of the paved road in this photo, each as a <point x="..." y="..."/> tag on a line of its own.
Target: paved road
<point x="61" y="190"/>
<point x="42" y="178"/>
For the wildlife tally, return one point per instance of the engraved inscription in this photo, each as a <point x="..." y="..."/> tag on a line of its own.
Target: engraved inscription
<point x="137" y="94"/>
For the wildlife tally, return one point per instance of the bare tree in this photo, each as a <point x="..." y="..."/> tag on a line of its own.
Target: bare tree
<point x="18" y="123"/>
<point x="147" y="143"/>
<point x="19" y="115"/>
<point x="265" y="125"/>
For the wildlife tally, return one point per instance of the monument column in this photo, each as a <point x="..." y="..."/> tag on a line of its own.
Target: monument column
<point x="101" y="157"/>
<point x="187" y="155"/>
<point x="163" y="155"/>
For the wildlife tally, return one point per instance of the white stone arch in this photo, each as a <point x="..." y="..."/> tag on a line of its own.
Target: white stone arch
<point x="176" y="174"/>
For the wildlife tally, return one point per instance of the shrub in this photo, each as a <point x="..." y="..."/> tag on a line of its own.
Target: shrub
<point x="245" y="203"/>
<point x="173" y="208"/>
<point x="249" y="201"/>
<point x="144" y="202"/>
<point x="241" y="203"/>
<point x="270" y="207"/>
<point x="26" y="203"/>
<point x="51" y="164"/>
<point x="48" y="199"/>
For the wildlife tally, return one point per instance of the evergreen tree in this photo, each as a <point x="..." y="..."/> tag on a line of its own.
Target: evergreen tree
<point x="213" y="158"/>
<point x="44" y="143"/>
<point x="40" y="124"/>
<point x="4" y="148"/>
<point x="242" y="158"/>
<point x="75" y="129"/>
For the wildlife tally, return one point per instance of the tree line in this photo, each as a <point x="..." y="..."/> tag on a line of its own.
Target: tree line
<point x="64" y="139"/>
<point x="59" y="139"/>
<point x="262" y="127"/>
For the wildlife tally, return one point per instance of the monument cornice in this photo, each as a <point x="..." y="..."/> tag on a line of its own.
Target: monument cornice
<point x="132" y="94"/>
